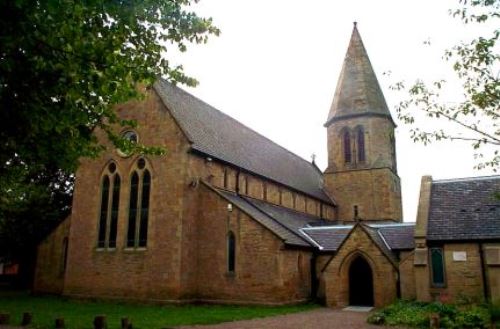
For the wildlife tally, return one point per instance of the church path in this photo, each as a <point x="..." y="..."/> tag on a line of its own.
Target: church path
<point x="324" y="318"/>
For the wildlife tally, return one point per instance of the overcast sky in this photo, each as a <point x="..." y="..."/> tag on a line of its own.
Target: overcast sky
<point x="276" y="64"/>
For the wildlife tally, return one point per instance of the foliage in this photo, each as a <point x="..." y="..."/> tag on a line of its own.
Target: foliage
<point x="416" y="314"/>
<point x="63" y="66"/>
<point x="494" y="309"/>
<point x="476" y="63"/>
<point x="79" y="314"/>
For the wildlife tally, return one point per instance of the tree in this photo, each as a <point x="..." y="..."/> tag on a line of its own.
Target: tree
<point x="64" y="64"/>
<point x="475" y="118"/>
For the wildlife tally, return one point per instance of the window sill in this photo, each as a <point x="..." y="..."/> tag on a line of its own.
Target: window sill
<point x="105" y="249"/>
<point x="230" y="275"/>
<point x="133" y="249"/>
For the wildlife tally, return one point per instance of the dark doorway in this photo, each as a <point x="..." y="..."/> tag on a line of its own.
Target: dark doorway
<point x="360" y="283"/>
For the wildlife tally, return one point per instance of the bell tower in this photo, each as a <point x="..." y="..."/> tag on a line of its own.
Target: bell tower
<point x="362" y="172"/>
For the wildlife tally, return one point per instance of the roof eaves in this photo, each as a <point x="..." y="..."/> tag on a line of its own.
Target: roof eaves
<point x="156" y="88"/>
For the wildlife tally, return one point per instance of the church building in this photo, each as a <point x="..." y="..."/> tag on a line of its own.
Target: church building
<point x="228" y="216"/>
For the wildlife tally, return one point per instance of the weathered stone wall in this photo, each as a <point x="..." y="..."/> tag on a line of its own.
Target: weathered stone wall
<point x="492" y="265"/>
<point x="407" y="275"/>
<point x="376" y="193"/>
<point x="144" y="273"/>
<point x="265" y="272"/>
<point x="372" y="185"/>
<point x="169" y="268"/>
<point x="463" y="279"/>
<point x="51" y="259"/>
<point x="336" y="275"/>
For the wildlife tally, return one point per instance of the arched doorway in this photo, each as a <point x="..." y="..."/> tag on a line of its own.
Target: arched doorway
<point x="360" y="283"/>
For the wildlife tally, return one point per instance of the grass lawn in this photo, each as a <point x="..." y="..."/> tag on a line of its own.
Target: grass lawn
<point x="80" y="314"/>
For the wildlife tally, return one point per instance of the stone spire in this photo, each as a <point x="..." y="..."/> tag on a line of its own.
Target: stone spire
<point x="358" y="92"/>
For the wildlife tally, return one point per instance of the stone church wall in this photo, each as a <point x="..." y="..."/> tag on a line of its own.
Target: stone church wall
<point x="336" y="275"/>
<point x="255" y="187"/>
<point x="152" y="272"/>
<point x="264" y="271"/>
<point x="51" y="259"/>
<point x="407" y="275"/>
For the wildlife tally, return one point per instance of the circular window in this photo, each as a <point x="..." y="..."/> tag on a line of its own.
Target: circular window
<point x="141" y="163"/>
<point x="130" y="136"/>
<point x="112" y="167"/>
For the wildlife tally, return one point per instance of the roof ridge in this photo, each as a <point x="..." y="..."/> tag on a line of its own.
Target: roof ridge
<point x="233" y="119"/>
<point x="465" y="179"/>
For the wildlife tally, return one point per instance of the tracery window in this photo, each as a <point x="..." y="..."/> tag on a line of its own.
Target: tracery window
<point x="346" y="141"/>
<point x="231" y="252"/>
<point x="138" y="210"/>
<point x="110" y="199"/>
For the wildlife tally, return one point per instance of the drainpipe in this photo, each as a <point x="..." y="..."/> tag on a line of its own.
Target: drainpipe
<point x="314" y="278"/>
<point x="398" y="283"/>
<point x="483" y="273"/>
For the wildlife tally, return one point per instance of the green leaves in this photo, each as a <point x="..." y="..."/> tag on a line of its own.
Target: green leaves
<point x="65" y="64"/>
<point x="476" y="65"/>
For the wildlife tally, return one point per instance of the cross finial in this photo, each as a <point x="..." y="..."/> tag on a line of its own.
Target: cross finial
<point x="313" y="157"/>
<point x="355" y="23"/>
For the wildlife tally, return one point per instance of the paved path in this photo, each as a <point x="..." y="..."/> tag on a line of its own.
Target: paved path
<point x="323" y="318"/>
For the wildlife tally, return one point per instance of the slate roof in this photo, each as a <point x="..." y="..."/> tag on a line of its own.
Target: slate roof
<point x="397" y="236"/>
<point x="289" y="218"/>
<point x="328" y="238"/>
<point x="217" y="135"/>
<point x="289" y="236"/>
<point x="389" y="237"/>
<point x="464" y="209"/>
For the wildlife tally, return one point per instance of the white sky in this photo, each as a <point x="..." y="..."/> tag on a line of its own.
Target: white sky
<point x="276" y="64"/>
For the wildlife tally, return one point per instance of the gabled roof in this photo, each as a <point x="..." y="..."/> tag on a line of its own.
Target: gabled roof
<point x="358" y="92"/>
<point x="289" y="233"/>
<point x="221" y="137"/>
<point x="389" y="237"/>
<point x="464" y="209"/>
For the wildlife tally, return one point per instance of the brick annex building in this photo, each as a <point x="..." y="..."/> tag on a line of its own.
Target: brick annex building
<point x="229" y="216"/>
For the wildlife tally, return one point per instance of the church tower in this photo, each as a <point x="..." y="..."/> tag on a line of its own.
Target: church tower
<point x="362" y="174"/>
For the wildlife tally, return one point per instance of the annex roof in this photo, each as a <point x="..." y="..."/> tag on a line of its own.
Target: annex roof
<point x="219" y="136"/>
<point x="276" y="222"/>
<point x="389" y="237"/>
<point x="464" y="209"/>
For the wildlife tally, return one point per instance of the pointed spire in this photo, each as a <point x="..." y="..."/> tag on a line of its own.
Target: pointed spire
<point x="358" y="92"/>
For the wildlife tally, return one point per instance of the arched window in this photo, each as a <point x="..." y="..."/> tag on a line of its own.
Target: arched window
<point x="437" y="267"/>
<point x="231" y="252"/>
<point x="110" y="200"/>
<point x="64" y="259"/>
<point x="346" y="141"/>
<point x="138" y="213"/>
<point x="360" y="138"/>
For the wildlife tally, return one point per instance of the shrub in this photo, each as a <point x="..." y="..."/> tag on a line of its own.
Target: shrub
<point x="416" y="315"/>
